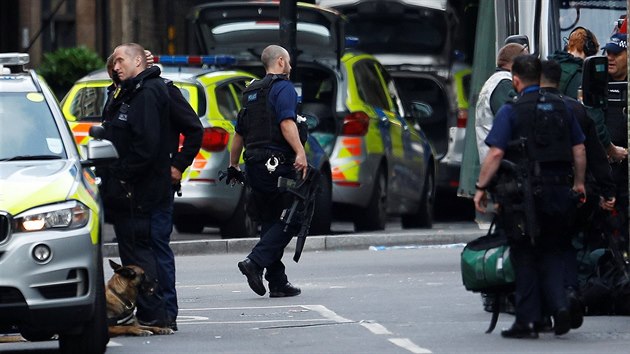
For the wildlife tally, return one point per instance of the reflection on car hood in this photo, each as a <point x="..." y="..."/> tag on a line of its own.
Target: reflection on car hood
<point x="25" y="184"/>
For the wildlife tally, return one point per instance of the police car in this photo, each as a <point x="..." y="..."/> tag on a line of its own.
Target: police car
<point x="381" y="163"/>
<point x="214" y="93"/>
<point x="51" y="267"/>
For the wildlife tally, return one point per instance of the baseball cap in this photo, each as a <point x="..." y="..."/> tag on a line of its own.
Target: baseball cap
<point x="617" y="43"/>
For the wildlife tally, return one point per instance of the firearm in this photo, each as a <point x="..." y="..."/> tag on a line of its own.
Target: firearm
<point x="515" y="193"/>
<point x="304" y="191"/>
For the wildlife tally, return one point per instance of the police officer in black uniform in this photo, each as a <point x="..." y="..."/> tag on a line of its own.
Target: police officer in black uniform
<point x="139" y="182"/>
<point x="267" y="129"/>
<point x="553" y="152"/>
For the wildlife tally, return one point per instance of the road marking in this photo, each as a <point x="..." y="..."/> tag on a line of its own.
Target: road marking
<point x="113" y="344"/>
<point x="327" y="313"/>
<point x="407" y="344"/>
<point x="375" y="328"/>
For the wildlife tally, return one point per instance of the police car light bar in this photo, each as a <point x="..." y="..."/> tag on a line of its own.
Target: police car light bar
<point x="194" y="59"/>
<point x="14" y="59"/>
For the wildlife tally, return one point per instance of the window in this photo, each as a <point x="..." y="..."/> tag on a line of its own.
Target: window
<point x="88" y="103"/>
<point x="369" y="84"/>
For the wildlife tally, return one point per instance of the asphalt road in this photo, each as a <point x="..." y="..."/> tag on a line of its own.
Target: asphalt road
<point x="383" y="300"/>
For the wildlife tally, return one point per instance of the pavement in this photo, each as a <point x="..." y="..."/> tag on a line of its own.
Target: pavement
<point x="440" y="234"/>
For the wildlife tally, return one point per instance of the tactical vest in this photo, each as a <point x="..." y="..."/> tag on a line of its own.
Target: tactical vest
<point x="483" y="112"/>
<point x="545" y="121"/>
<point x="257" y="121"/>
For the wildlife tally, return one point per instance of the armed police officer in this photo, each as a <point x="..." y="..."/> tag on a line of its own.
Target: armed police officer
<point x="543" y="143"/>
<point x="267" y="129"/>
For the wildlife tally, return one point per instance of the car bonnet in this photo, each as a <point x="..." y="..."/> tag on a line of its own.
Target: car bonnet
<point x="26" y="184"/>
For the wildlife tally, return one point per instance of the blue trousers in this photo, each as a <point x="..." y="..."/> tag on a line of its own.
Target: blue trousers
<point x="161" y="229"/>
<point x="133" y="234"/>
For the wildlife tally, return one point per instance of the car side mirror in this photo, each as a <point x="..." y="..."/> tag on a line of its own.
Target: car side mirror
<point x="421" y="111"/>
<point x="595" y="82"/>
<point x="98" y="151"/>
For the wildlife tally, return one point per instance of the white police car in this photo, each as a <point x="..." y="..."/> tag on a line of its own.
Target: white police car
<point x="51" y="268"/>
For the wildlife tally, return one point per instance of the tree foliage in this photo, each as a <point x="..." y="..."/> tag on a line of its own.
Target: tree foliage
<point x="63" y="67"/>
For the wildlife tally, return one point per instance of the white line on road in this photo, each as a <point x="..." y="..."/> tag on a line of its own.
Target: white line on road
<point x="375" y="328"/>
<point x="407" y="344"/>
<point x="327" y="313"/>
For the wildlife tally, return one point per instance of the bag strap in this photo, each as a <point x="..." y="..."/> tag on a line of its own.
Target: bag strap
<point x="496" y="309"/>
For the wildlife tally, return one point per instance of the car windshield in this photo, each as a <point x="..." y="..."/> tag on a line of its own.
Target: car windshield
<point x="423" y="33"/>
<point x="27" y="128"/>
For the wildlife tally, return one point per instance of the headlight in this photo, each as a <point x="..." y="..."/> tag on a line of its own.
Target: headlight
<point x="70" y="215"/>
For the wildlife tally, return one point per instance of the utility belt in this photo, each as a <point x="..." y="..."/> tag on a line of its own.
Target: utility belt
<point x="270" y="157"/>
<point x="553" y="180"/>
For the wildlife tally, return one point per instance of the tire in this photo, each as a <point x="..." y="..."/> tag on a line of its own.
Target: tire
<point x="35" y="336"/>
<point x="188" y="225"/>
<point x="322" y="217"/>
<point x="423" y="218"/>
<point x="241" y="223"/>
<point x="94" y="335"/>
<point x="374" y="216"/>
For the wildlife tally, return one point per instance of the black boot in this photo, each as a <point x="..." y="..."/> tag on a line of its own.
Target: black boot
<point x="520" y="331"/>
<point x="254" y="275"/>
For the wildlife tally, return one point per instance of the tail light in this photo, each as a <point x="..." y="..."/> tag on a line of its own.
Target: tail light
<point x="214" y="139"/>
<point x="356" y="123"/>
<point x="462" y="118"/>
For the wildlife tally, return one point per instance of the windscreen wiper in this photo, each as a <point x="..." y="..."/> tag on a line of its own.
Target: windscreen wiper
<point x="32" y="157"/>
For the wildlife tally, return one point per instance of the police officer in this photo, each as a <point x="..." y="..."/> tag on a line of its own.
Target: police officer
<point x="553" y="151"/>
<point x="139" y="182"/>
<point x="267" y="129"/>
<point x="617" y="122"/>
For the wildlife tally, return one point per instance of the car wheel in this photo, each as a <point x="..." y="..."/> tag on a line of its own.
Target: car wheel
<point x="241" y="223"/>
<point x="35" y="336"/>
<point x="94" y="336"/>
<point x="322" y="217"/>
<point x="374" y="216"/>
<point x="424" y="216"/>
<point x="188" y="225"/>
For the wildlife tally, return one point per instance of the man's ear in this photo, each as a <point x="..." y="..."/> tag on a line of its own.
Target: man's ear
<point x="138" y="60"/>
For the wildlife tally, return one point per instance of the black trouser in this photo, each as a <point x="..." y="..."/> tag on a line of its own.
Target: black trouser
<point x="269" y="203"/>
<point x="133" y="234"/>
<point x="540" y="268"/>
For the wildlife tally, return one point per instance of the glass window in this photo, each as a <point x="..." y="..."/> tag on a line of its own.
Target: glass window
<point x="88" y="103"/>
<point x="225" y="102"/>
<point x="369" y="84"/>
<point x="27" y="127"/>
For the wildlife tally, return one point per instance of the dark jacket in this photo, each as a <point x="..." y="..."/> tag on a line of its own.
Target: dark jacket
<point x="184" y="121"/>
<point x="136" y="121"/>
<point x="597" y="166"/>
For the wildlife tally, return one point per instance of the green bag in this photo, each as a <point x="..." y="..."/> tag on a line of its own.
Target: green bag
<point x="486" y="264"/>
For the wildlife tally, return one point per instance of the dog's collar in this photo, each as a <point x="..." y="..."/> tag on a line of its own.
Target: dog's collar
<point x="129" y="305"/>
<point x="124" y="318"/>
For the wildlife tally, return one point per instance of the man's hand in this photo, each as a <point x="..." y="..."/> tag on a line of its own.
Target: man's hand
<point x="300" y="163"/>
<point x="616" y="153"/>
<point x="149" y="57"/>
<point x="176" y="175"/>
<point x="481" y="201"/>
<point x="233" y="175"/>
<point x="607" y="204"/>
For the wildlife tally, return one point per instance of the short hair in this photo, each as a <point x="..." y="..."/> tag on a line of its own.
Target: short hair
<point x="110" y="63"/>
<point x="579" y="40"/>
<point x="527" y="68"/>
<point x="551" y="71"/>
<point x="508" y="52"/>
<point x="133" y="50"/>
<point x="271" y="53"/>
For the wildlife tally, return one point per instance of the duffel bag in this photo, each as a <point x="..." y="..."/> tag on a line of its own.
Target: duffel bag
<point x="486" y="265"/>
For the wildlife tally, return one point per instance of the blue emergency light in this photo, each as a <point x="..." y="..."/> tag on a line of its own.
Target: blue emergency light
<point x="194" y="59"/>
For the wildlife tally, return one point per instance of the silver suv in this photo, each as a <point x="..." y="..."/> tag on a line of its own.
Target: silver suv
<point x="51" y="267"/>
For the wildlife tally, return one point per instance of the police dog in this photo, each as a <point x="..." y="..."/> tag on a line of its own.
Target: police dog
<point x="121" y="293"/>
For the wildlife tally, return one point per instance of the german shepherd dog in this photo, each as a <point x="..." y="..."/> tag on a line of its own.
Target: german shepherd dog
<point x="121" y="293"/>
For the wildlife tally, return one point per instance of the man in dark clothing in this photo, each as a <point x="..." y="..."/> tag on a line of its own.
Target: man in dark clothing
<point x="138" y="183"/>
<point x="599" y="184"/>
<point x="185" y="122"/>
<point x="617" y="123"/>
<point x="554" y="149"/>
<point x="267" y="129"/>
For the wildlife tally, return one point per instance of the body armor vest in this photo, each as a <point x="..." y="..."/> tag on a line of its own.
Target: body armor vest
<point x="545" y="121"/>
<point x="258" y="122"/>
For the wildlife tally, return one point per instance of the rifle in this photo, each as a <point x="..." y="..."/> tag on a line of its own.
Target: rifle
<point x="515" y="193"/>
<point x="301" y="211"/>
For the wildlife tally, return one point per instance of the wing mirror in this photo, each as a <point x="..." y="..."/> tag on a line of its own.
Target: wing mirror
<point x="595" y="82"/>
<point x="97" y="150"/>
